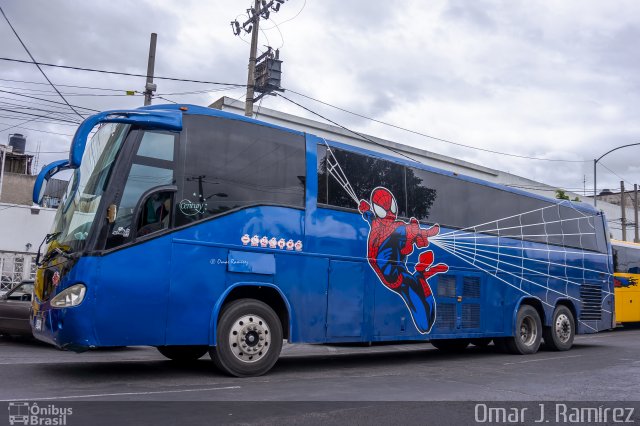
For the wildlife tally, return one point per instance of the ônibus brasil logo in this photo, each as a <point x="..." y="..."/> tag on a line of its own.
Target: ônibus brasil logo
<point x="25" y="413"/>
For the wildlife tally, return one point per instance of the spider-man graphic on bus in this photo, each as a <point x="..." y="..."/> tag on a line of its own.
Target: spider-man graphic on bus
<point x="390" y="243"/>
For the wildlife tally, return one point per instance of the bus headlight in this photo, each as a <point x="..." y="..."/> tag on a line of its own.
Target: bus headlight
<point x="69" y="297"/>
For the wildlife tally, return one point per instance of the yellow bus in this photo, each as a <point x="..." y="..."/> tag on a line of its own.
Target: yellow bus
<point x="626" y="265"/>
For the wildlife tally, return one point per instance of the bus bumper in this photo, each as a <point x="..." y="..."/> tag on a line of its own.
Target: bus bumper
<point x="66" y="328"/>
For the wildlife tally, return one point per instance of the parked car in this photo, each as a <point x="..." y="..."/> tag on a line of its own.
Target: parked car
<point x="5" y="290"/>
<point x="14" y="309"/>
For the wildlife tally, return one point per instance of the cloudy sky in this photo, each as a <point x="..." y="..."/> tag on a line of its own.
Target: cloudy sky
<point x="546" y="79"/>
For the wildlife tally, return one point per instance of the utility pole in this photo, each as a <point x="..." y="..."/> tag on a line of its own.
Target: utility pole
<point x="252" y="26"/>
<point x="149" y="88"/>
<point x="636" y="238"/>
<point x="251" y="78"/>
<point x="624" y="213"/>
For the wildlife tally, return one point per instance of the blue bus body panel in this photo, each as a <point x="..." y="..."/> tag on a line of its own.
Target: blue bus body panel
<point x="173" y="296"/>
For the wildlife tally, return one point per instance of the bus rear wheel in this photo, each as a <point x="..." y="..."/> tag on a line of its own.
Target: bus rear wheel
<point x="249" y="339"/>
<point x="450" y="345"/>
<point x="183" y="353"/>
<point x="559" y="337"/>
<point x="528" y="332"/>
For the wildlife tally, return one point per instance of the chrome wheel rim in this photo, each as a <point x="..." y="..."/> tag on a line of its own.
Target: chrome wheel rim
<point x="528" y="331"/>
<point x="250" y="338"/>
<point x="563" y="328"/>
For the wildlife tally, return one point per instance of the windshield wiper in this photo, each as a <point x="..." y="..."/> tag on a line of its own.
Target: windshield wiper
<point x="47" y="239"/>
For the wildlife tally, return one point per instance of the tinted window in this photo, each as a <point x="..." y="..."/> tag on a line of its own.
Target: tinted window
<point x="626" y="260"/>
<point x="457" y="203"/>
<point x="461" y="204"/>
<point x="157" y="145"/>
<point x="364" y="174"/>
<point x="230" y="164"/>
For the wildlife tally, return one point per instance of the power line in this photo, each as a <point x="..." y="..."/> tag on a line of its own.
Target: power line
<point x="168" y="100"/>
<point x="619" y="177"/>
<point x="197" y="92"/>
<point x="291" y="19"/>
<point x="19" y="124"/>
<point x="12" y="101"/>
<point x="44" y="100"/>
<point x="34" y="61"/>
<point x="36" y="130"/>
<point x="52" y="93"/>
<point x="349" y="130"/>
<point x="434" y="137"/>
<point x="65" y="85"/>
<point x="38" y="116"/>
<point x="123" y="73"/>
<point x="27" y="107"/>
<point x="53" y="120"/>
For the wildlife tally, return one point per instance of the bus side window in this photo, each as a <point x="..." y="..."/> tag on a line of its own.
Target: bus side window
<point x="152" y="166"/>
<point x="155" y="214"/>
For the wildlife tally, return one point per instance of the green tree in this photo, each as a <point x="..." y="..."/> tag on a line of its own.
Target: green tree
<point x="561" y="195"/>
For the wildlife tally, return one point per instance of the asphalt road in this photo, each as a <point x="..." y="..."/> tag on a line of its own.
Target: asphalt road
<point x="320" y="383"/>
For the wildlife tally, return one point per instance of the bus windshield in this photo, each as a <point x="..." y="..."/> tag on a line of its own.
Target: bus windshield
<point x="84" y="192"/>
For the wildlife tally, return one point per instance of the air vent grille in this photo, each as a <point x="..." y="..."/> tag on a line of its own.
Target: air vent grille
<point x="446" y="315"/>
<point x="591" y="297"/>
<point x="447" y="285"/>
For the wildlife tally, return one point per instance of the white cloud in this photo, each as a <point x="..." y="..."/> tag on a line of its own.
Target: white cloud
<point x="544" y="79"/>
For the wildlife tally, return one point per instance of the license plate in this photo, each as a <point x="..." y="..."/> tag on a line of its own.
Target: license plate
<point x="38" y="323"/>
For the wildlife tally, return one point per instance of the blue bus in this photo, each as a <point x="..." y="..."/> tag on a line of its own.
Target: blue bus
<point x="195" y="230"/>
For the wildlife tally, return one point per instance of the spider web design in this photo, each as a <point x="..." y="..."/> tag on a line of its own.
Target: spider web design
<point x="500" y="248"/>
<point x="334" y="169"/>
<point x="547" y="261"/>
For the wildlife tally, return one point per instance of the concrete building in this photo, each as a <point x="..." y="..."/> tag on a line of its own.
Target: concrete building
<point x="338" y="134"/>
<point x="22" y="225"/>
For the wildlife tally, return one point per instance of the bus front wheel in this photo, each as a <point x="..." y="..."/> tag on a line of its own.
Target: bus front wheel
<point x="183" y="353"/>
<point x="249" y="339"/>
<point x="559" y="337"/>
<point x="528" y="332"/>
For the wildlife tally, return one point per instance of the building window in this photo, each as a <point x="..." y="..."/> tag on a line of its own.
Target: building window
<point x="12" y="269"/>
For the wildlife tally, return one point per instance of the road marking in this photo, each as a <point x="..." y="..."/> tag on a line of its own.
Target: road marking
<point x="94" y="361"/>
<point x="542" y="359"/>
<point x="116" y="394"/>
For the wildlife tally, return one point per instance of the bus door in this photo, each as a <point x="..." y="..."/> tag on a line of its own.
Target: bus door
<point x="133" y="273"/>
<point x="340" y="236"/>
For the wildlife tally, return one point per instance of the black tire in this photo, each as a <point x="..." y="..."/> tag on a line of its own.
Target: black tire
<point x="559" y="337"/>
<point x="450" y="345"/>
<point x="481" y="342"/>
<point x="183" y="353"/>
<point x="249" y="339"/>
<point x="528" y="332"/>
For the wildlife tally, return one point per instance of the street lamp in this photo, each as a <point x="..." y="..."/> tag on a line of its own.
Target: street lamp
<point x="595" y="162"/>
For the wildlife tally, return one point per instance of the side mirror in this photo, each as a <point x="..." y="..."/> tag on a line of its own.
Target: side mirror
<point x="112" y="212"/>
<point x="3" y="297"/>
<point x="45" y="174"/>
